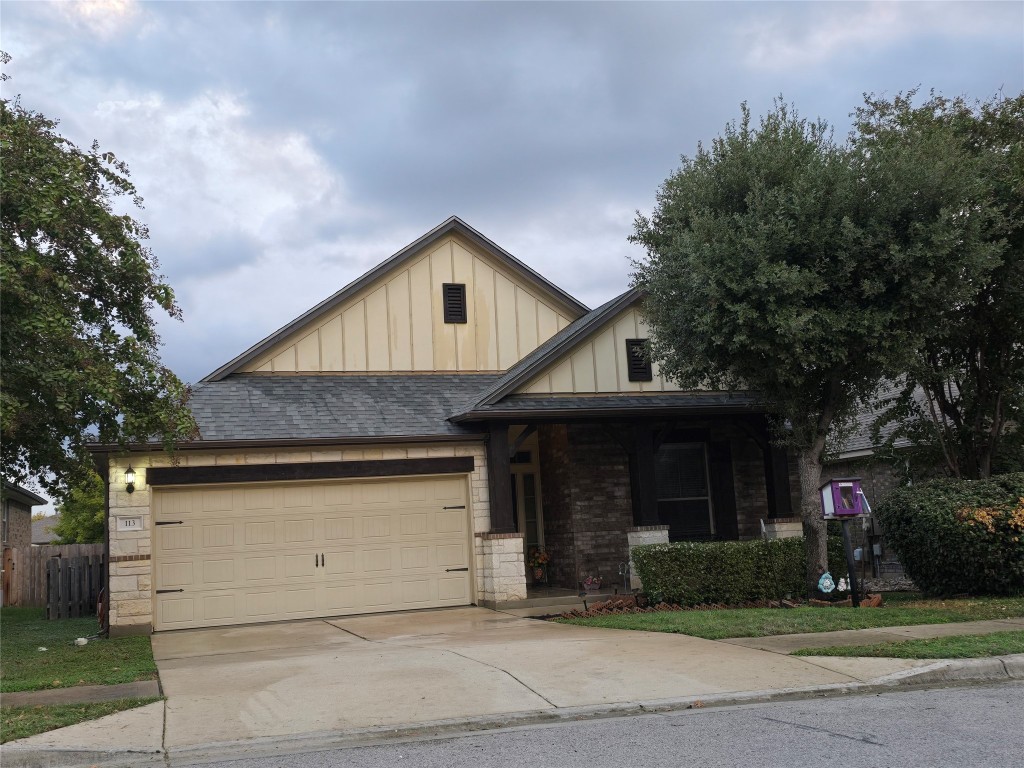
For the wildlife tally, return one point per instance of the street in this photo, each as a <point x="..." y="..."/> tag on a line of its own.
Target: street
<point x="980" y="727"/>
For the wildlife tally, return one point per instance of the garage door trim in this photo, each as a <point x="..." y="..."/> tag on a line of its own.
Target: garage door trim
<point x="315" y="470"/>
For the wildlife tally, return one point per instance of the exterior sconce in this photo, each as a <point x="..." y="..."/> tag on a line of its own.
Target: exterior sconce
<point x="129" y="479"/>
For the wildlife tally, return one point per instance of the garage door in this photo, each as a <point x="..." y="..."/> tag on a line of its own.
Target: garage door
<point x="265" y="552"/>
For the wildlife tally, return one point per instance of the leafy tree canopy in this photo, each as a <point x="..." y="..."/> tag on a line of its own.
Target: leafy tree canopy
<point x="82" y="513"/>
<point x="963" y="403"/>
<point x="782" y="261"/>
<point x="78" y="346"/>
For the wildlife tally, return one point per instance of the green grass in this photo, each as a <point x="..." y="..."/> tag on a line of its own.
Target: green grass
<point x="955" y="647"/>
<point x="900" y="609"/>
<point x="23" y="667"/>
<point x="20" y="722"/>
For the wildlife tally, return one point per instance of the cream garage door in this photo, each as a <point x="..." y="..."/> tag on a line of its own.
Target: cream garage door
<point x="236" y="554"/>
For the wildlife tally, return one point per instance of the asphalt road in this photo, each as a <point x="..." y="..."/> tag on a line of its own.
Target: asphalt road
<point x="974" y="727"/>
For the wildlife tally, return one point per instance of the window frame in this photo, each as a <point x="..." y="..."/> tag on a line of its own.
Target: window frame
<point x="705" y="449"/>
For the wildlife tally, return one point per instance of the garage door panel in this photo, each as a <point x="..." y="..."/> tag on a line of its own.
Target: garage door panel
<point x="265" y="552"/>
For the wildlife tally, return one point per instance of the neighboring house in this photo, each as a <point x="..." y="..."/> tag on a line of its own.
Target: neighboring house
<point x="407" y="441"/>
<point x="16" y="514"/>
<point x="42" y="530"/>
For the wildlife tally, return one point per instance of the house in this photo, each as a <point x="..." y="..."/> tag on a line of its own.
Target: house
<point x="43" y="530"/>
<point x="410" y="440"/>
<point x="16" y="525"/>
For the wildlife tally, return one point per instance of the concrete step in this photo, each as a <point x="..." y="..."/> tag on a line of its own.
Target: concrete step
<point x="575" y="601"/>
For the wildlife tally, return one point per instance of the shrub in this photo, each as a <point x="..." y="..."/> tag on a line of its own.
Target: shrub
<point x="730" y="572"/>
<point x="959" y="536"/>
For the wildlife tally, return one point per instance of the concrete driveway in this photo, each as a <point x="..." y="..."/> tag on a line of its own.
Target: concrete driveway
<point x="400" y="669"/>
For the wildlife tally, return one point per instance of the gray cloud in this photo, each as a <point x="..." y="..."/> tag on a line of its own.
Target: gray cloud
<point x="285" y="148"/>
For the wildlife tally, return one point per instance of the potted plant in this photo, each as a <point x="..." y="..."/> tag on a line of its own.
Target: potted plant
<point x="538" y="561"/>
<point x="592" y="583"/>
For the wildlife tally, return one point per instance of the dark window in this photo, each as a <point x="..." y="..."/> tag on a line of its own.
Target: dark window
<point x="684" y="501"/>
<point x="638" y="361"/>
<point x="454" y="302"/>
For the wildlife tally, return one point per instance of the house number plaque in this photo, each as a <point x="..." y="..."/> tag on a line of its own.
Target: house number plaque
<point x="129" y="523"/>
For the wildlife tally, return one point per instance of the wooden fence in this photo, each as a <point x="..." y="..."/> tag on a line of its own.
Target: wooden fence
<point x="73" y="586"/>
<point x="25" y="572"/>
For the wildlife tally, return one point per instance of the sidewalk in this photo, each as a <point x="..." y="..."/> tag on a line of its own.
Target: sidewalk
<point x="789" y="643"/>
<point x="612" y="672"/>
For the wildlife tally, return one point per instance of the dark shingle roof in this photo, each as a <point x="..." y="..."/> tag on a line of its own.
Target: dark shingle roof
<point x="42" y="530"/>
<point x="616" y="404"/>
<point x="255" y="407"/>
<point x="859" y="441"/>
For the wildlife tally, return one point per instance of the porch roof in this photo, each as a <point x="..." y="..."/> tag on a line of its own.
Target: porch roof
<point x="551" y="407"/>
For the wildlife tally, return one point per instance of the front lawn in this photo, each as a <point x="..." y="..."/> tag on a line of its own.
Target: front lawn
<point x="23" y="667"/>
<point x="955" y="647"/>
<point x="20" y="722"/>
<point x="900" y="609"/>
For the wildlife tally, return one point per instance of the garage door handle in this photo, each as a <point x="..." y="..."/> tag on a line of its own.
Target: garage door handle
<point x="165" y="591"/>
<point x="461" y="506"/>
<point x="452" y="570"/>
<point x="170" y="522"/>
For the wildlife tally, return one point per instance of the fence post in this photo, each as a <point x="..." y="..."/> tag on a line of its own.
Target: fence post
<point x="52" y="585"/>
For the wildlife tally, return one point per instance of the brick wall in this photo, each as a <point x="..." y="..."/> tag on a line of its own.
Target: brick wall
<point x="749" y="484"/>
<point x="19" y="522"/>
<point x="587" y="503"/>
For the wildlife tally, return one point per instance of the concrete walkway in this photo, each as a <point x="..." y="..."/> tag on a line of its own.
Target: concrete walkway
<point x="82" y="694"/>
<point x="311" y="683"/>
<point x="848" y="637"/>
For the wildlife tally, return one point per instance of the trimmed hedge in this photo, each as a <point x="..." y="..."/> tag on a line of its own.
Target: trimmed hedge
<point x="729" y="572"/>
<point x="959" y="536"/>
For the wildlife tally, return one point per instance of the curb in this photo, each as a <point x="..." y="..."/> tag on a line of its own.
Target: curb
<point x="940" y="674"/>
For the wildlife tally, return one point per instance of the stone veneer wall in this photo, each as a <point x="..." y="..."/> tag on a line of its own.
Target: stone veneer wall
<point x="638" y="537"/>
<point x="502" y="576"/>
<point x="131" y="571"/>
<point x="587" y="503"/>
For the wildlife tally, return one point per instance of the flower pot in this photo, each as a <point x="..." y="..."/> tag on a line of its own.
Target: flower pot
<point x="538" y="574"/>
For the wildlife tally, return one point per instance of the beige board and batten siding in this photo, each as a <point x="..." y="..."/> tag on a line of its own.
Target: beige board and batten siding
<point x="247" y="553"/>
<point x="599" y="364"/>
<point x="397" y="323"/>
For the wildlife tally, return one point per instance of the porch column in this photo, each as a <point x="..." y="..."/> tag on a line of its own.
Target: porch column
<point x="499" y="472"/>
<point x="645" y="491"/>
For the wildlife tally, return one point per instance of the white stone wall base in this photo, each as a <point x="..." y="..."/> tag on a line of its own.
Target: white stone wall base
<point x="649" y="534"/>
<point x="502" y="573"/>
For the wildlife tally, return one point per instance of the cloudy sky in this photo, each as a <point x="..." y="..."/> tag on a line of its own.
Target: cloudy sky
<point x="284" y="148"/>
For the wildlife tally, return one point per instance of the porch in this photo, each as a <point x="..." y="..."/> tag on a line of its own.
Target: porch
<point x="585" y="491"/>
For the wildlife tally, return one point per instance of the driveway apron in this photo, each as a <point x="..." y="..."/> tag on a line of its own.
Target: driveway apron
<point x="307" y="677"/>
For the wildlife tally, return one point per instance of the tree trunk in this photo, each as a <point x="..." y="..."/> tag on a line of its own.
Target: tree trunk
<point x="815" y="536"/>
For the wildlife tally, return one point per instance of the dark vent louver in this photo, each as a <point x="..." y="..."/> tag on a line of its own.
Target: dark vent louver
<point x="637" y="360"/>
<point x="454" y="295"/>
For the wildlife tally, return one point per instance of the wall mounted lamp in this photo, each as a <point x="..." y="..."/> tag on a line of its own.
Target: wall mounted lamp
<point x="129" y="479"/>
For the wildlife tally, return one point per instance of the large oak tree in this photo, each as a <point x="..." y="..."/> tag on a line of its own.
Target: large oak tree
<point x="785" y="262"/>
<point x="78" y="347"/>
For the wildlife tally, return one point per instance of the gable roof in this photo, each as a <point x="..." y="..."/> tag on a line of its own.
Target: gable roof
<point x="553" y="348"/>
<point x="23" y="495"/>
<point x="453" y="225"/>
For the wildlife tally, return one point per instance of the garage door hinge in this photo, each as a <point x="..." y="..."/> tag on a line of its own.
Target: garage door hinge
<point x="165" y="591"/>
<point x="461" y="506"/>
<point x="169" y="522"/>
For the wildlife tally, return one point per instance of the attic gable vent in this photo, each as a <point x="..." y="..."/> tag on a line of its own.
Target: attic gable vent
<point x="639" y="364"/>
<point x="454" y="295"/>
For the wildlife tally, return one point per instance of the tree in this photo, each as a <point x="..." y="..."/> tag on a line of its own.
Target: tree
<point x="963" y="401"/>
<point x="82" y="513"/>
<point x="78" y="346"/>
<point x="783" y="262"/>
